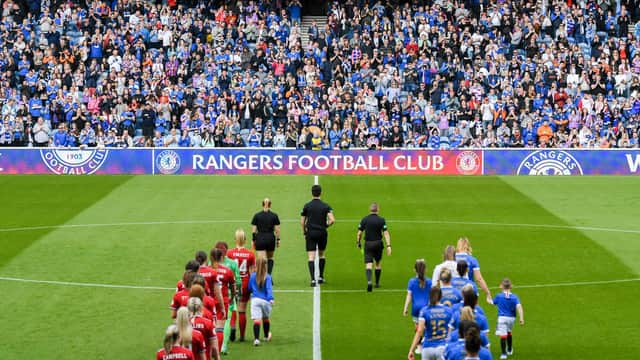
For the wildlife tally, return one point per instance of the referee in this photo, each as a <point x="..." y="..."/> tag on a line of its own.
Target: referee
<point x="266" y="233"/>
<point x="374" y="227"/>
<point x="317" y="216"/>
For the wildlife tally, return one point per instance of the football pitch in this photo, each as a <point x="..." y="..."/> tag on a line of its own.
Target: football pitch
<point x="88" y="264"/>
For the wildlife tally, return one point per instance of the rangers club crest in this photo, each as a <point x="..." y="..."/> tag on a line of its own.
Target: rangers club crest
<point x="168" y="162"/>
<point x="549" y="162"/>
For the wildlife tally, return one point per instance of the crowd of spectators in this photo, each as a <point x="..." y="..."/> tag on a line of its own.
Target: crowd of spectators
<point x="377" y="74"/>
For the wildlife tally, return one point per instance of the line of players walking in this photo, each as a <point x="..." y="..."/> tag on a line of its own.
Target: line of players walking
<point x="449" y="322"/>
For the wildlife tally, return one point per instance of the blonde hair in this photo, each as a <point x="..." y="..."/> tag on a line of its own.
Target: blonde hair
<point x="184" y="327"/>
<point x="261" y="271"/>
<point x="464" y="246"/>
<point x="467" y="314"/>
<point x="170" y="338"/>
<point x="195" y="306"/>
<point x="240" y="237"/>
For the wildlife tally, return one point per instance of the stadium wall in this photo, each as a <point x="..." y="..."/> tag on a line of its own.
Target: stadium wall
<point x="357" y="162"/>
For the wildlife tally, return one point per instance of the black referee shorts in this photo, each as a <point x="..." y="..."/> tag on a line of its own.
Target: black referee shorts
<point x="373" y="251"/>
<point x="316" y="239"/>
<point x="265" y="242"/>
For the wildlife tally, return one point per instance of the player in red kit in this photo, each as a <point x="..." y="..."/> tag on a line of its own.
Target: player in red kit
<point x="192" y="265"/>
<point x="190" y="338"/>
<point x="212" y="287"/>
<point x="246" y="262"/>
<point x="208" y="302"/>
<point x="206" y="271"/>
<point x="227" y="280"/>
<point x="171" y="349"/>
<point x="181" y="297"/>
<point x="205" y="326"/>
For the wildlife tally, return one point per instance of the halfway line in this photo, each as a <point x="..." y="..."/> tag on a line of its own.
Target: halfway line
<point x="297" y="291"/>
<point x="400" y="221"/>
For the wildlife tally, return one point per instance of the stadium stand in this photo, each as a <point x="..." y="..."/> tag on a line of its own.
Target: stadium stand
<point x="386" y="74"/>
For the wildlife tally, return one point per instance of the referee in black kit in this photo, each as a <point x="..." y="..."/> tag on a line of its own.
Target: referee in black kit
<point x="266" y="233"/>
<point x="374" y="227"/>
<point x="317" y="216"/>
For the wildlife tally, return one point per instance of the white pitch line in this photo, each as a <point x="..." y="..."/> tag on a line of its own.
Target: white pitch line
<point x="317" y="343"/>
<point x="399" y="221"/>
<point x="297" y="291"/>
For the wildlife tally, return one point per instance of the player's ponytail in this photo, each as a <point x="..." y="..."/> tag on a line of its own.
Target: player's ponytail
<point x="472" y="341"/>
<point x="187" y="278"/>
<point x="240" y="237"/>
<point x="184" y="327"/>
<point x="170" y="338"/>
<point x="435" y="295"/>
<point x="201" y="257"/>
<point x="420" y="269"/>
<point x="466" y="313"/>
<point x="216" y="257"/>
<point x="464" y="246"/>
<point x="469" y="296"/>
<point x="462" y="268"/>
<point x="261" y="272"/>
<point x="195" y="306"/>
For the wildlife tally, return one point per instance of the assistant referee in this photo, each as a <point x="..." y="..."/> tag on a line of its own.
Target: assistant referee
<point x="374" y="227"/>
<point x="266" y="233"/>
<point x="316" y="217"/>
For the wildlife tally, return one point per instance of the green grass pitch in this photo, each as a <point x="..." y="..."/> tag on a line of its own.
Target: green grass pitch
<point x="141" y="230"/>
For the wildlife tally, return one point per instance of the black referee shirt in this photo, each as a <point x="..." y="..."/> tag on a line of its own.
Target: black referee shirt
<point x="373" y="226"/>
<point x="315" y="212"/>
<point x="265" y="221"/>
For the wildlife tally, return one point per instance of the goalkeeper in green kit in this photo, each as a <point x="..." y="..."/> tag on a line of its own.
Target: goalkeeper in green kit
<point x="233" y="265"/>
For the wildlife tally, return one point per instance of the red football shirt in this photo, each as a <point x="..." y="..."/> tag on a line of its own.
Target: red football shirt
<point x="209" y="278"/>
<point x="179" y="286"/>
<point x="245" y="259"/>
<point x="198" y="345"/>
<point x="225" y="277"/>
<point x="181" y="298"/>
<point x="177" y="352"/>
<point x="205" y="326"/>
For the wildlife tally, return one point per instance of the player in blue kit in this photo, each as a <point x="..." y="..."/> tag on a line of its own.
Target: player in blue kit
<point x="417" y="294"/>
<point x="417" y="291"/>
<point x="459" y="282"/>
<point x="460" y="350"/>
<point x="450" y="295"/>
<point x="508" y="304"/>
<point x="463" y="252"/>
<point x="470" y="299"/>
<point x="432" y="323"/>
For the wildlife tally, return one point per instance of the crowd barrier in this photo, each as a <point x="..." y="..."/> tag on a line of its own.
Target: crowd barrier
<point x="290" y="161"/>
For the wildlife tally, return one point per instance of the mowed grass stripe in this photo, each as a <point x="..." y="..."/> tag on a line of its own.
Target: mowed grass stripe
<point x="28" y="200"/>
<point x="148" y="256"/>
<point x="600" y="200"/>
<point x="527" y="256"/>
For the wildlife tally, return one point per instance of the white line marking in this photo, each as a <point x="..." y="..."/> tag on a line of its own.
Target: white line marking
<point x="399" y="221"/>
<point x="298" y="291"/>
<point x="317" y="343"/>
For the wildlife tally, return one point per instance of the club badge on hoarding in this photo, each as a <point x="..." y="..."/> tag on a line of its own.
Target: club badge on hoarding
<point x="168" y="162"/>
<point x="549" y="162"/>
<point x="74" y="161"/>
<point x="468" y="163"/>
